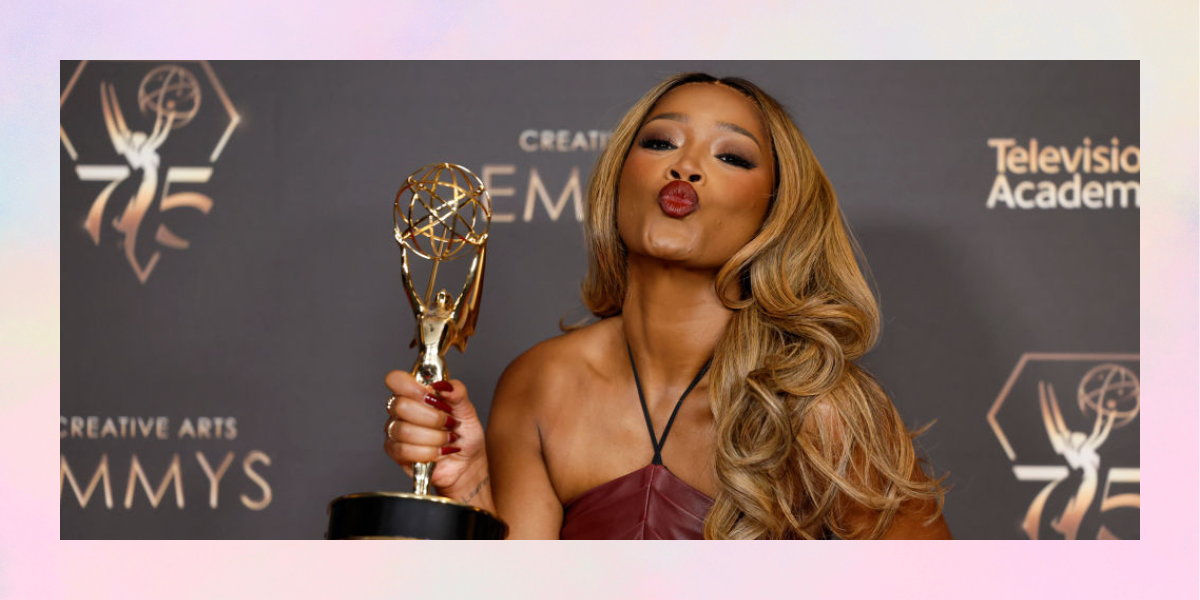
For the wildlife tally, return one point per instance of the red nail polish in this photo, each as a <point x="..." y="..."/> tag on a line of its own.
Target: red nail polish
<point x="438" y="404"/>
<point x="453" y="438"/>
<point x="449" y="450"/>
<point x="442" y="386"/>
<point x="451" y="422"/>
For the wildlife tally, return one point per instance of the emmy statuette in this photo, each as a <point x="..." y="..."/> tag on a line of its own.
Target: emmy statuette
<point x="441" y="213"/>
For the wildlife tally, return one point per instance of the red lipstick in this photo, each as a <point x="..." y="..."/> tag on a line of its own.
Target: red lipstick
<point x="678" y="199"/>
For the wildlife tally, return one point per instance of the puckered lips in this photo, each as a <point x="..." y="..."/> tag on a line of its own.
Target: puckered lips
<point x="678" y="199"/>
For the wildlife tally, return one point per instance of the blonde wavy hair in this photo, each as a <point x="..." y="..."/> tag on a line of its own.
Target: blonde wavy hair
<point x="804" y="435"/>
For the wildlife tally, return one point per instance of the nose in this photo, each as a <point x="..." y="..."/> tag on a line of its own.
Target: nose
<point x="686" y="164"/>
<point x="692" y="176"/>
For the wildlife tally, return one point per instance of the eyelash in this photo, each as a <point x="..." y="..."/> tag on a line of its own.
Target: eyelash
<point x="736" y="161"/>
<point x="658" y="143"/>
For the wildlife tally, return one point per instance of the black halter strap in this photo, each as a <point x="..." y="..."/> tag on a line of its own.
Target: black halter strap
<point x="658" y="443"/>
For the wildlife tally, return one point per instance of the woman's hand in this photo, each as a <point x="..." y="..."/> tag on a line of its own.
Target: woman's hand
<point x="438" y="424"/>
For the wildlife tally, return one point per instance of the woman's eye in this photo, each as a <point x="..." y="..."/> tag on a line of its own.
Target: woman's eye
<point x="654" y="143"/>
<point x="735" y="160"/>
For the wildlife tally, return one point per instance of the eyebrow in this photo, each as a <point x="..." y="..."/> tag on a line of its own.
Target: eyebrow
<point x="682" y="118"/>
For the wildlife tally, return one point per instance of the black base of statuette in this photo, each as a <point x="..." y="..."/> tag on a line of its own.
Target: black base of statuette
<point x="395" y="515"/>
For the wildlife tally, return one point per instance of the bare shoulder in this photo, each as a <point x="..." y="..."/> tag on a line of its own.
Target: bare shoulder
<point x="557" y="368"/>
<point x="886" y="492"/>
<point x="857" y="400"/>
<point x="536" y="388"/>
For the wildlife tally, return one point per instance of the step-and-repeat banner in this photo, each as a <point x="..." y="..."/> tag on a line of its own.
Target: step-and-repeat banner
<point x="231" y="294"/>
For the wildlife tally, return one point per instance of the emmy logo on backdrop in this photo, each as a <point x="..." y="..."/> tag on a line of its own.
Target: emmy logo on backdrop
<point x="441" y="213"/>
<point x="1081" y="498"/>
<point x="169" y="98"/>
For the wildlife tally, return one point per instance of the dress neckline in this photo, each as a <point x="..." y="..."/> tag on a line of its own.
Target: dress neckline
<point x="600" y="489"/>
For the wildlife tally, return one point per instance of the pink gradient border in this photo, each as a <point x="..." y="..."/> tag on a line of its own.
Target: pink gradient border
<point x="34" y="564"/>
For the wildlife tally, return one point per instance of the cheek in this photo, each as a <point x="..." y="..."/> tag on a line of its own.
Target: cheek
<point x="632" y="186"/>
<point x="753" y="210"/>
<point x="762" y="201"/>
<point x="635" y="172"/>
<point x="741" y="223"/>
<point x="760" y="211"/>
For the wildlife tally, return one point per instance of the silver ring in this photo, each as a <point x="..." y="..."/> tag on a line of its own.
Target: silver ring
<point x="387" y="429"/>
<point x="391" y="401"/>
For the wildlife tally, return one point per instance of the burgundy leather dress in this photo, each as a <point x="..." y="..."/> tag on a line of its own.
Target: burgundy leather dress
<point x="650" y="503"/>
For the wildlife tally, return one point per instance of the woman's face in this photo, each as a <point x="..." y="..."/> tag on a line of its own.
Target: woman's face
<point x="697" y="181"/>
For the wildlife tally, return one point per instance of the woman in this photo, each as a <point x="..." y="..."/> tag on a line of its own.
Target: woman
<point x="731" y="307"/>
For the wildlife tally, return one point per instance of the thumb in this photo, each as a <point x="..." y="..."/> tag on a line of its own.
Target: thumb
<point x="454" y="392"/>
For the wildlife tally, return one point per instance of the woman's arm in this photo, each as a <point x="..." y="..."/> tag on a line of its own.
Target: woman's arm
<point x="521" y="487"/>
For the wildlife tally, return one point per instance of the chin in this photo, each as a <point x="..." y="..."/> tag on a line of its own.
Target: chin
<point x="669" y="252"/>
<point x="670" y="242"/>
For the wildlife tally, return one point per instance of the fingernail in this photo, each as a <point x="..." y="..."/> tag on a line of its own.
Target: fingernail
<point x="438" y="404"/>
<point x="449" y="450"/>
<point x="442" y="386"/>
<point x="451" y="422"/>
<point x="453" y="437"/>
